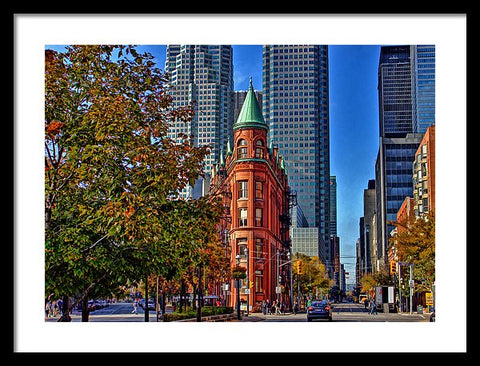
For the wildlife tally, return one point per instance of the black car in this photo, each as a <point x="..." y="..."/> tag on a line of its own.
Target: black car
<point x="319" y="310"/>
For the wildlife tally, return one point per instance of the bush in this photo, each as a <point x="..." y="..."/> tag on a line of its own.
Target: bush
<point x="190" y="314"/>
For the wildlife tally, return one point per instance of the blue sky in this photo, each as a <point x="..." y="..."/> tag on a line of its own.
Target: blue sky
<point x="353" y="125"/>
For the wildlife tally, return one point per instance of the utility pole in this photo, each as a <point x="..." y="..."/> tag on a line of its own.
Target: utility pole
<point x="248" y="284"/>
<point x="400" y="286"/>
<point x="411" y="284"/>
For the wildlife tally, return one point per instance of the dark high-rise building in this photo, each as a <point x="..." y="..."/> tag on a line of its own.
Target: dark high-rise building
<point x="406" y="94"/>
<point x="333" y="205"/>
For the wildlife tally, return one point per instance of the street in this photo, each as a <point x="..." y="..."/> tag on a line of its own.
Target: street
<point x="342" y="312"/>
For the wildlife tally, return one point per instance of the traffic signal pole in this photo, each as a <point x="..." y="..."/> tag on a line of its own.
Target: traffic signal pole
<point x="411" y="287"/>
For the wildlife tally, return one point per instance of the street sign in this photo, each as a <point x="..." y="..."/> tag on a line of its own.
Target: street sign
<point x="429" y="299"/>
<point x="411" y="283"/>
<point x="278" y="290"/>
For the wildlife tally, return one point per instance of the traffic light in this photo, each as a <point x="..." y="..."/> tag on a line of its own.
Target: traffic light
<point x="300" y="269"/>
<point x="393" y="267"/>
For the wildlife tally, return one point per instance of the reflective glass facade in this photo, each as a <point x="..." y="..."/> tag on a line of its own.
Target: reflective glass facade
<point x="395" y="91"/>
<point x="202" y="75"/>
<point x="423" y="66"/>
<point x="295" y="105"/>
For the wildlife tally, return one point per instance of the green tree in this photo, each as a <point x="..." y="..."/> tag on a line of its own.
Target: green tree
<point x="111" y="173"/>
<point x="415" y="243"/>
<point x="314" y="278"/>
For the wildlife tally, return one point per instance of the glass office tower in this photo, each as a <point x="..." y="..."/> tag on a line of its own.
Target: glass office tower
<point x="295" y="105"/>
<point x="423" y="72"/>
<point x="202" y="75"/>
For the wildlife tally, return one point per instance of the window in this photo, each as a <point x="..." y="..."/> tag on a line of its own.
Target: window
<point x="259" y="149"/>
<point x="242" y="217"/>
<point x="258" y="281"/>
<point x="258" y="248"/>
<point x="243" y="189"/>
<point x="241" y="246"/>
<point x="242" y="149"/>
<point x="258" y="217"/>
<point x="258" y="189"/>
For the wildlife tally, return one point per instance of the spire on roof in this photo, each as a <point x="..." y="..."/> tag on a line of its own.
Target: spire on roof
<point x="251" y="114"/>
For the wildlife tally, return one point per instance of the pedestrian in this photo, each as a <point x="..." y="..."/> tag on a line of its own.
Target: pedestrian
<point x="273" y="307"/>
<point x="60" y="306"/>
<point x="135" y="307"/>
<point x="269" y="307"/>
<point x="55" y="309"/>
<point x="373" y="307"/>
<point x="264" y="308"/>
<point x="283" y="308"/>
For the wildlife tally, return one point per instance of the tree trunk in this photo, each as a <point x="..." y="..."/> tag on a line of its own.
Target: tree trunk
<point x="65" y="310"/>
<point x="182" y="295"/>
<point x="200" y="296"/>
<point x="163" y="300"/>
<point x="85" y="311"/>
<point x="147" y="314"/>
<point x="194" y="299"/>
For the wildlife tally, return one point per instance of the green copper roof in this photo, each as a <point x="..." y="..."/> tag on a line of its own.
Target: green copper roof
<point x="251" y="114"/>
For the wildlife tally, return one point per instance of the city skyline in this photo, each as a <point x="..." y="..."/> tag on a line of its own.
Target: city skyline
<point x="353" y="108"/>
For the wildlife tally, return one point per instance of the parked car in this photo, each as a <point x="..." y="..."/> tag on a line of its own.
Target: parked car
<point x="151" y="304"/>
<point x="95" y="305"/>
<point x="319" y="310"/>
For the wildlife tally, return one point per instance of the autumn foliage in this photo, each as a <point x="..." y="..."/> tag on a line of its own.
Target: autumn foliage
<point x="415" y="244"/>
<point x="113" y="176"/>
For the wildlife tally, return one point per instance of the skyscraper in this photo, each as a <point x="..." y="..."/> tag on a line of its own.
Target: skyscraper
<point x="295" y="105"/>
<point x="406" y="95"/>
<point x="202" y="75"/>
<point x="423" y="72"/>
<point x="333" y="205"/>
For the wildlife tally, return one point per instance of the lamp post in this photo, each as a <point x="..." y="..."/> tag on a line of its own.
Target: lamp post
<point x="289" y="256"/>
<point x="248" y="284"/>
<point x="237" y="257"/>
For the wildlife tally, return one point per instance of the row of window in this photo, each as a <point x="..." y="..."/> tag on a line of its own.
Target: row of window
<point x="243" y="189"/>
<point x="257" y="254"/>
<point x="242" y="149"/>
<point x="243" y="217"/>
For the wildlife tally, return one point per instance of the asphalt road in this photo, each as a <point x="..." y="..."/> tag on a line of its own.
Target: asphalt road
<point x="344" y="312"/>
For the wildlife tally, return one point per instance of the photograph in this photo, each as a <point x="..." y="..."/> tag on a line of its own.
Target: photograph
<point x="247" y="187"/>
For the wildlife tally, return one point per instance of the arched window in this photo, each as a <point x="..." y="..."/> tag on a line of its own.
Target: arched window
<point x="242" y="149"/>
<point x="259" y="149"/>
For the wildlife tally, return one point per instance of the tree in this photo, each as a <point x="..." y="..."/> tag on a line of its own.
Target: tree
<point x="112" y="175"/>
<point x="415" y="243"/>
<point x="368" y="284"/>
<point x="314" y="278"/>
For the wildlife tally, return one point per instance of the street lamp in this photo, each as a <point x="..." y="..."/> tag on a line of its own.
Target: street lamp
<point x="237" y="257"/>
<point x="248" y="284"/>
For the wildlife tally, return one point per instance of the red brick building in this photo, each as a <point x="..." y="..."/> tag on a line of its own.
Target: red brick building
<point x="255" y="177"/>
<point x="424" y="174"/>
